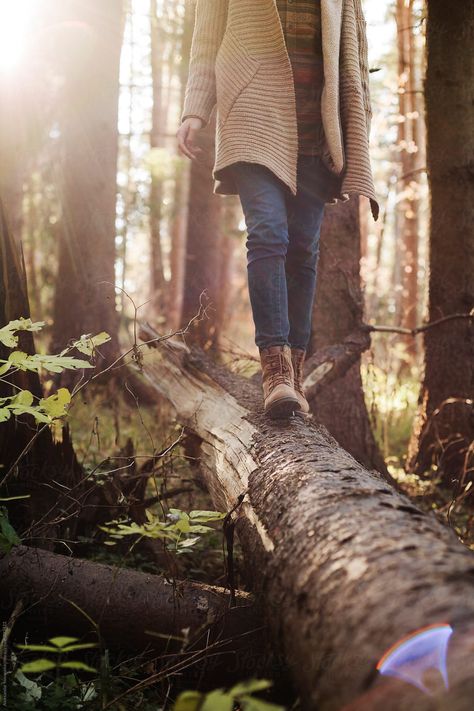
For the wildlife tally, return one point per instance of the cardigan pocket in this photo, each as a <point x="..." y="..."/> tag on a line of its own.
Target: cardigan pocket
<point x="234" y="68"/>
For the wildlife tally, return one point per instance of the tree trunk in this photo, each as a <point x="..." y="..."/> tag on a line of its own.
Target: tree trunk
<point x="85" y="287"/>
<point x="231" y="213"/>
<point x="408" y="206"/>
<point x="158" y="127"/>
<point x="346" y="565"/>
<point x="179" y="221"/>
<point x="338" y="312"/>
<point x="445" y="427"/>
<point x="59" y="591"/>
<point x="203" y="247"/>
<point x="29" y="458"/>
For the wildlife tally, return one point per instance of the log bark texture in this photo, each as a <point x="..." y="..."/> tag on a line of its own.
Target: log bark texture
<point x="345" y="564"/>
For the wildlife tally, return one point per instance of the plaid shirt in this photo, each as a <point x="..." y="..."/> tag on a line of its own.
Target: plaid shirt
<point x="301" y="23"/>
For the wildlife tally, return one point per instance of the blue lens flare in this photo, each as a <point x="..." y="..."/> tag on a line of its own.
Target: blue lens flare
<point x="422" y="650"/>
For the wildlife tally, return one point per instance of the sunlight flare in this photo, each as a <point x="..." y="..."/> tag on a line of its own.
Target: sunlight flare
<point x="15" y="31"/>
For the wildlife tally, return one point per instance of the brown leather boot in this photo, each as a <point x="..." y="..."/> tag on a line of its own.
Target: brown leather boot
<point x="280" y="398"/>
<point x="297" y="360"/>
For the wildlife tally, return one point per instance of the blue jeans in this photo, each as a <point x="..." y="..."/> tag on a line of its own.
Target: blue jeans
<point x="282" y="247"/>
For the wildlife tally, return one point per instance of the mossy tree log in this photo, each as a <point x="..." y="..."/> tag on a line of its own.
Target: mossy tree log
<point x="346" y="565"/>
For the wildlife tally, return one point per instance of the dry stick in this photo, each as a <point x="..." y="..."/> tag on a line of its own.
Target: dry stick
<point x="228" y="528"/>
<point x="418" y="329"/>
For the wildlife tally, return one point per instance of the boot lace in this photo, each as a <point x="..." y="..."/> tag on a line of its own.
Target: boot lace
<point x="278" y="371"/>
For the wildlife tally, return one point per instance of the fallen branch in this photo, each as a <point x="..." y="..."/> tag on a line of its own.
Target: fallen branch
<point x="128" y="610"/>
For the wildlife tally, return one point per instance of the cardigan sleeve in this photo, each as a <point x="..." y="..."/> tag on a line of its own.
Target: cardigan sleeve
<point x="209" y="27"/>
<point x="363" y="60"/>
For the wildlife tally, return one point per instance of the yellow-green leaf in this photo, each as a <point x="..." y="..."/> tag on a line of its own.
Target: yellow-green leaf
<point x="4" y="414"/>
<point x="218" y="701"/>
<point x="188" y="701"/>
<point x="24" y="397"/>
<point x="77" y="665"/>
<point x="87" y="343"/>
<point x="56" y="405"/>
<point x="39" y="665"/>
<point x="62" y="641"/>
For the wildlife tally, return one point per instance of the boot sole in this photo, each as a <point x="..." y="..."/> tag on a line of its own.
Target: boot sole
<point x="283" y="408"/>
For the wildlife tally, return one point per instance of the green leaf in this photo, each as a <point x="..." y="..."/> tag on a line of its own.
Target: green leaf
<point x="18" y="359"/>
<point x="182" y="525"/>
<point x="88" y="343"/>
<point x="8" y="535"/>
<point x="22" y="324"/>
<point x="24" y="397"/>
<point x="56" y="405"/>
<point x="6" y="366"/>
<point x="188" y="542"/>
<point x="188" y="701"/>
<point x="38" y="648"/>
<point x="5" y="414"/>
<point x="74" y="647"/>
<point x="250" y="686"/>
<point x="218" y="700"/>
<point x="56" y="364"/>
<point x="62" y="641"/>
<point x="178" y="512"/>
<point x="206" y="515"/>
<point x="39" y="665"/>
<point x="37" y="414"/>
<point x="7" y="338"/>
<point x="200" y="529"/>
<point x="77" y="665"/>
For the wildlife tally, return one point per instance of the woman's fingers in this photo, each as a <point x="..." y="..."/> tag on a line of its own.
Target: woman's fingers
<point x="186" y="140"/>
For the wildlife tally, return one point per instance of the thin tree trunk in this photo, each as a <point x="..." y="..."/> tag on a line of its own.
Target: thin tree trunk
<point x="444" y="428"/>
<point x="409" y="206"/>
<point x="158" y="127"/>
<point x="231" y="211"/>
<point x="338" y="312"/>
<point x="203" y="246"/>
<point x="179" y="222"/>
<point x="181" y="195"/>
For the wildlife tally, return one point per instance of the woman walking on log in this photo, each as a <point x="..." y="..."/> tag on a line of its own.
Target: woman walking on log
<point x="290" y="81"/>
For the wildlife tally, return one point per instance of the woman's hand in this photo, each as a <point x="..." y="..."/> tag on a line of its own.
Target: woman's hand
<point x="186" y="135"/>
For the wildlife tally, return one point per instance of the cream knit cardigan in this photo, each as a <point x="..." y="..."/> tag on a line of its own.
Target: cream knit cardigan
<point x="239" y="63"/>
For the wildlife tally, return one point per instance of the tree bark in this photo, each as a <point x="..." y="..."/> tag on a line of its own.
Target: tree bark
<point x="203" y="247"/>
<point x="85" y="286"/>
<point x="59" y="591"/>
<point x="338" y="312"/>
<point x="444" y="428"/>
<point x="408" y="207"/>
<point x="345" y="565"/>
<point x="158" y="128"/>
<point x="32" y="457"/>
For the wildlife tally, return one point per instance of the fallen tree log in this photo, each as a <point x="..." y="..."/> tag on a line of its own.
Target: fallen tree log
<point x="345" y="564"/>
<point x="132" y="612"/>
